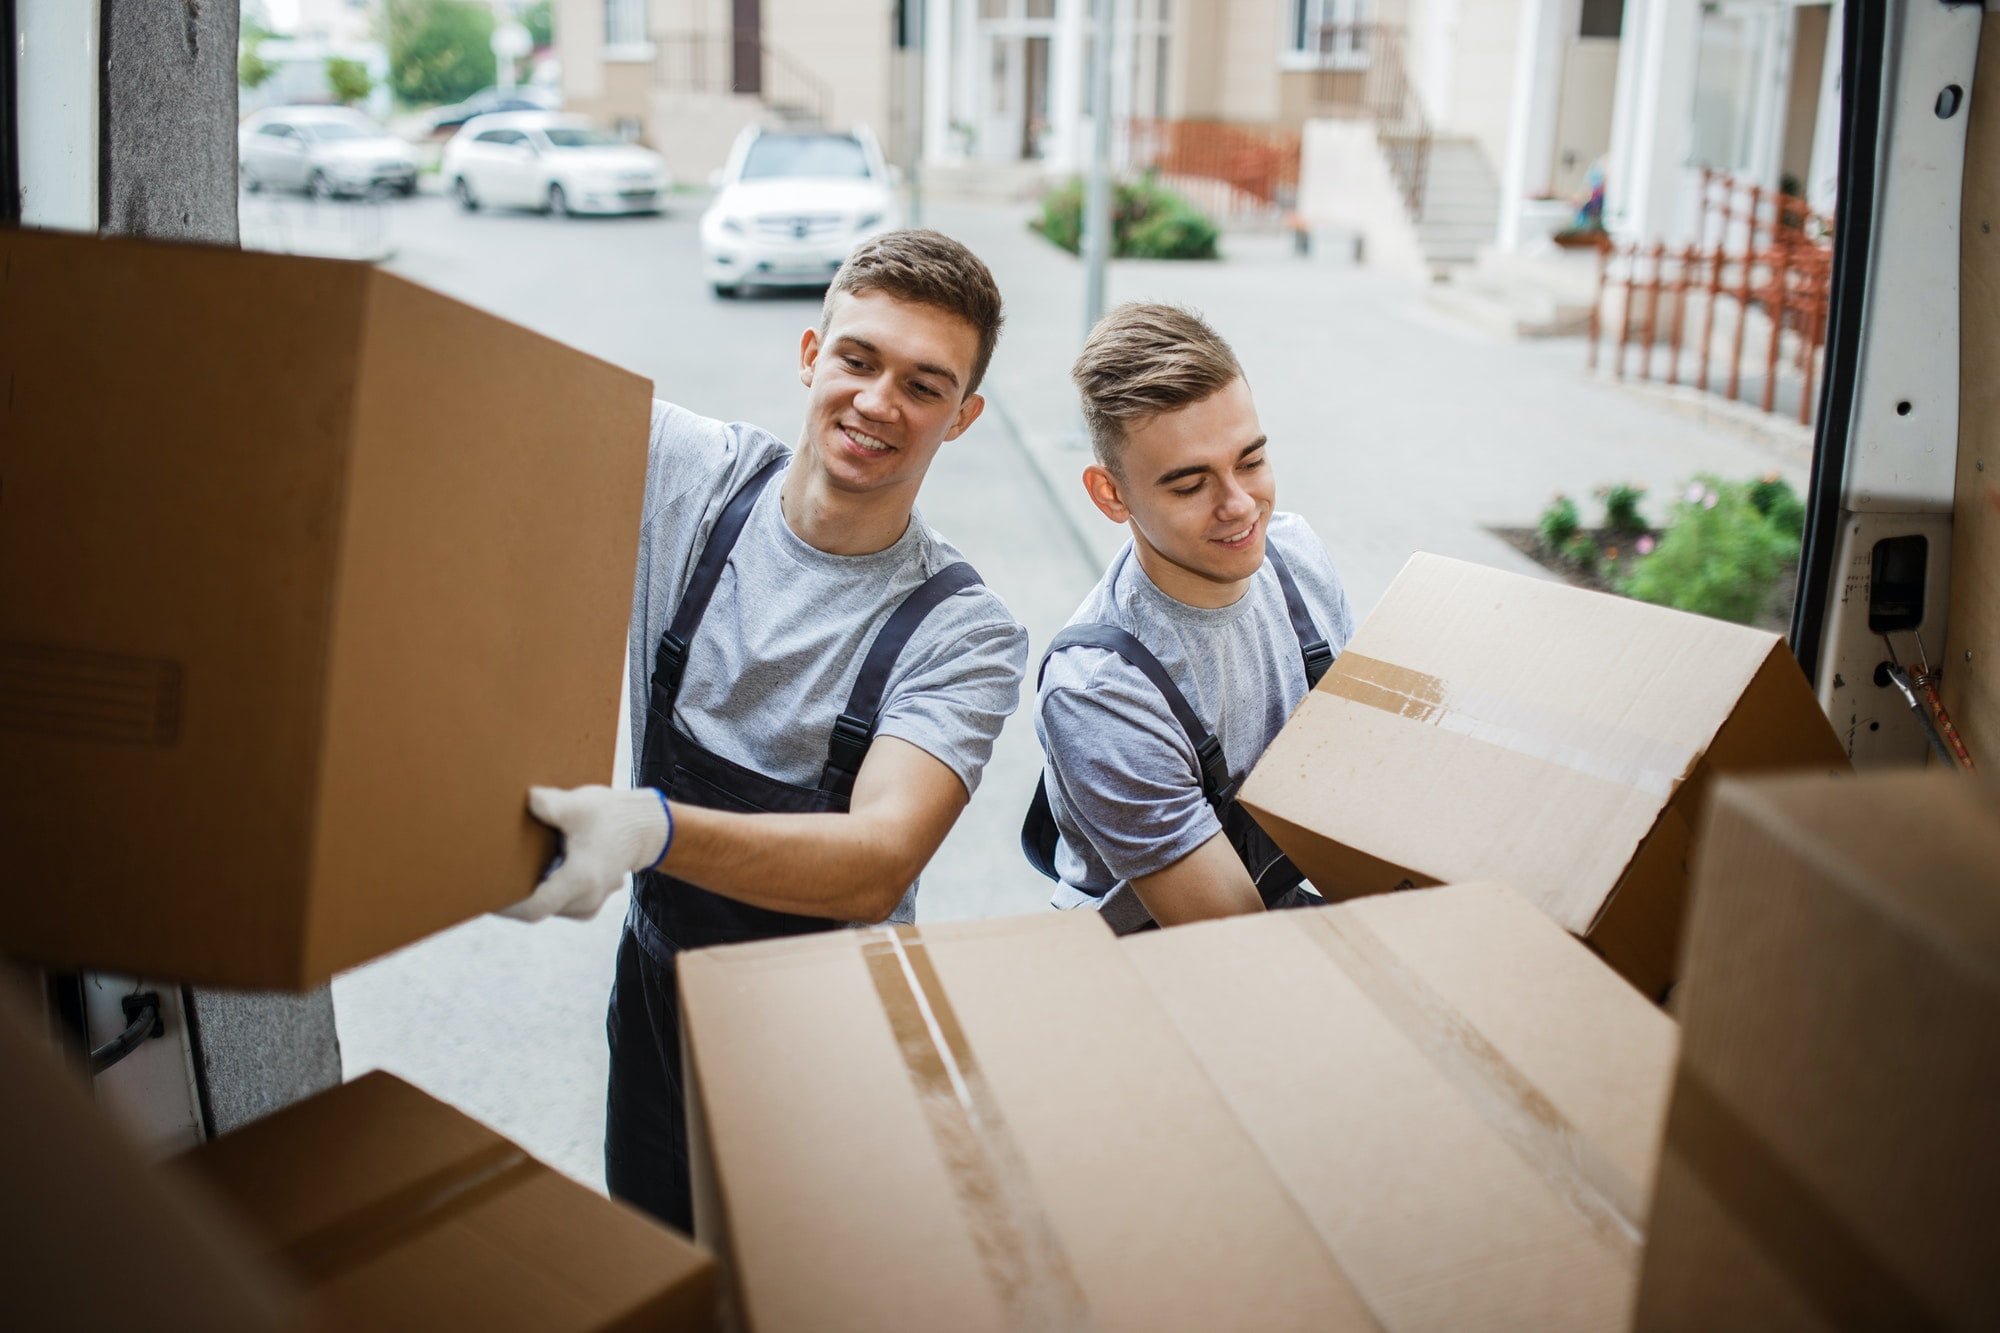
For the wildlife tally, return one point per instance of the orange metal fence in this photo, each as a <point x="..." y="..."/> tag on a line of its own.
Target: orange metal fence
<point x="1753" y="290"/>
<point x="1226" y="170"/>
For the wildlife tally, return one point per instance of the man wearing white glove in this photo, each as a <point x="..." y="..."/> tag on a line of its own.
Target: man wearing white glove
<point x="817" y="678"/>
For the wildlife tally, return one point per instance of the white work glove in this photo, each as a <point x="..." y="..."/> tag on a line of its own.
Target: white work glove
<point x="608" y="833"/>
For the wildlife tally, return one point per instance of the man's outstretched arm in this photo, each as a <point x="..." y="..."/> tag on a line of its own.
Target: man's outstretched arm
<point x="1208" y="882"/>
<point x="845" y="867"/>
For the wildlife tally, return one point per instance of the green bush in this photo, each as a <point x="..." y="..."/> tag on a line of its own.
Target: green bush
<point x="348" y="81"/>
<point x="252" y="70"/>
<point x="1775" y="499"/>
<point x="1621" y="507"/>
<point x="1559" y="522"/>
<point x="1581" y="550"/>
<point x="1147" y="222"/>
<point x="1720" y="556"/>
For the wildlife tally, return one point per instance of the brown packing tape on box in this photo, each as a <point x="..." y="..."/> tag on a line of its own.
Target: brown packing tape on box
<point x="980" y="1204"/>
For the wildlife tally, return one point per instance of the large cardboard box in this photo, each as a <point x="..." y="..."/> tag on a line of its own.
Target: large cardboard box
<point x="1464" y="1102"/>
<point x="91" y="1235"/>
<point x="1830" y="1158"/>
<point x="1483" y="725"/>
<point x="1431" y="1111"/>
<point x="305" y="574"/>
<point x="393" y="1211"/>
<point x="978" y="1126"/>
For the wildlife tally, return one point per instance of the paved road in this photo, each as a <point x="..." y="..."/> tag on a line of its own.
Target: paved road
<point x="507" y="1021"/>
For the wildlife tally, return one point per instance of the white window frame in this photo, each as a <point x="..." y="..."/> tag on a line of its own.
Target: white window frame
<point x="1318" y="14"/>
<point x="625" y="35"/>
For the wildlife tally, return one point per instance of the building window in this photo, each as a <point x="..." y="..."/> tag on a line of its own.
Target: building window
<point x="1325" y="34"/>
<point x="624" y="22"/>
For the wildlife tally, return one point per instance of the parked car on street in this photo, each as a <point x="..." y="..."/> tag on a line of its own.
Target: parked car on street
<point x="324" y="151"/>
<point x="791" y="204"/>
<point x="552" y="162"/>
<point x="445" y="121"/>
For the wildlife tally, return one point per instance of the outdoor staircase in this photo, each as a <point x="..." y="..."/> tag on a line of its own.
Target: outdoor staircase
<point x="1461" y="205"/>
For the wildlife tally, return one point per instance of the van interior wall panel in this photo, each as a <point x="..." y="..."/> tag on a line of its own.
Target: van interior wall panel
<point x="168" y="152"/>
<point x="1972" y="659"/>
<point x="168" y="169"/>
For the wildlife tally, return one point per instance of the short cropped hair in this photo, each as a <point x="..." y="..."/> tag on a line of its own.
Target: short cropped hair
<point x="931" y="269"/>
<point x="1143" y="360"/>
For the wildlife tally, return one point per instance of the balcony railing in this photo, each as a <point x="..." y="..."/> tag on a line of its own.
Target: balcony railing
<point x="740" y="62"/>
<point x="1364" y="74"/>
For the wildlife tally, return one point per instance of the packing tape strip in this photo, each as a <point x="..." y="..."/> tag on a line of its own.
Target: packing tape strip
<point x="1024" y="1260"/>
<point x="1827" y="1264"/>
<point x="1645" y="763"/>
<point x="1610" y="1201"/>
<point x="359" y="1238"/>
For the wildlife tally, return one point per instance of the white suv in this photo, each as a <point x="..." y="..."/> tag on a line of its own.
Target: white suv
<point x="555" y="163"/>
<point x="791" y="204"/>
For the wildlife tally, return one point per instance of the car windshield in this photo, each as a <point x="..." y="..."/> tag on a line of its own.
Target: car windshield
<point x="331" y="131"/>
<point x="573" y="137"/>
<point x="823" y="155"/>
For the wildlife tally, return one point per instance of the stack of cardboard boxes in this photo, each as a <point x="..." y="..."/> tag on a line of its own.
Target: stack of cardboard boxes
<point x="305" y="574"/>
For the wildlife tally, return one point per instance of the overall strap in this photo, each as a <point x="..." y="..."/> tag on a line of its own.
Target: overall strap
<point x="670" y="660"/>
<point x="1110" y="638"/>
<point x="854" y="729"/>
<point x="1313" y="645"/>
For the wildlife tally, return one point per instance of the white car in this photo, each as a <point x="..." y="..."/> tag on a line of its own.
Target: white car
<point x="323" y="150"/>
<point x="552" y="162"/>
<point x="791" y="204"/>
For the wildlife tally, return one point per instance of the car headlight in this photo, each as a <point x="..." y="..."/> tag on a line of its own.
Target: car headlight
<point x="735" y="227"/>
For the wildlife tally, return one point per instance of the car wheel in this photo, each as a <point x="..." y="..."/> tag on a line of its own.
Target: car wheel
<point x="318" y="186"/>
<point x="557" y="203"/>
<point x="726" y="291"/>
<point x="467" y="200"/>
<point x="406" y="189"/>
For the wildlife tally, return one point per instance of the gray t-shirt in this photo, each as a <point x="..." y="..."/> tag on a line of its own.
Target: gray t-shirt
<point x="783" y="638"/>
<point x="1123" y="781"/>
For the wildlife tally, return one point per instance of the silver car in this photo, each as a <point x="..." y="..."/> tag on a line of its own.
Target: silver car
<point x="323" y="150"/>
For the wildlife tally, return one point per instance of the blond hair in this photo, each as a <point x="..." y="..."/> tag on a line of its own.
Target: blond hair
<point x="931" y="269"/>
<point x="1143" y="360"/>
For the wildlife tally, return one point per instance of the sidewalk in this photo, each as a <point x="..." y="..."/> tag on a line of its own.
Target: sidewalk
<point x="1394" y="428"/>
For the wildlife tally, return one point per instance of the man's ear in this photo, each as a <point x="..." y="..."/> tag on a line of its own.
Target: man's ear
<point x="968" y="412"/>
<point x="808" y="356"/>
<point x="1105" y="491"/>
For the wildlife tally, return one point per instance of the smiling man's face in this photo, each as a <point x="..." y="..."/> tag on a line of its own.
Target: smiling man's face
<point x="1197" y="491"/>
<point x="887" y="385"/>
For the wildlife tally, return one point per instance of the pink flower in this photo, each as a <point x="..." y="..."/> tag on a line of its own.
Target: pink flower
<point x="1645" y="546"/>
<point x="1708" y="500"/>
<point x="1694" y="493"/>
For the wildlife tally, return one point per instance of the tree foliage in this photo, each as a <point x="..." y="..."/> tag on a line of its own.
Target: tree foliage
<point x="348" y="80"/>
<point x="439" y="50"/>
<point x="252" y="70"/>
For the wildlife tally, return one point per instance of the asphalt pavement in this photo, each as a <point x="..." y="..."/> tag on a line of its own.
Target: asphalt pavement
<point x="1393" y="430"/>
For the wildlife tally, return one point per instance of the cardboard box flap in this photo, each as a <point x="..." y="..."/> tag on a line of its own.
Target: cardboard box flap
<point x="398" y="1211"/>
<point x="1478" y="720"/>
<point x="1829" y="1158"/>
<point x="1010" y="1132"/>
<point x="1462" y="1099"/>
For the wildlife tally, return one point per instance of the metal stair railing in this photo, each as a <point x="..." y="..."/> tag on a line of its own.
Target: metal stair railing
<point x="1364" y="72"/>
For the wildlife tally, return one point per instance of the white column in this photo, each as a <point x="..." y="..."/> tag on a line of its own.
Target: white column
<point x="938" y="33"/>
<point x="1823" y="177"/>
<point x="1624" y="153"/>
<point x="56" y="59"/>
<point x="1653" y="172"/>
<point x="1066" y="91"/>
<point x="1546" y="27"/>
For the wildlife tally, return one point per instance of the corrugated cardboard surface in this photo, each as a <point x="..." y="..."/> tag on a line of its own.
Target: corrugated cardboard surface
<point x="1830" y="1158"/>
<point x="305" y="574"/>
<point x="1972" y="649"/>
<point x="980" y="1125"/>
<point x="1485" y="725"/>
<point x="396" y="1212"/>
<point x="90" y="1236"/>
<point x="1465" y="1102"/>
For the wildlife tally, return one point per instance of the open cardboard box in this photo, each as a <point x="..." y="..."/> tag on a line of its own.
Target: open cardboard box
<point x="1428" y="1111"/>
<point x="1830" y="1157"/>
<point x="1483" y="725"/>
<point x="306" y="574"/>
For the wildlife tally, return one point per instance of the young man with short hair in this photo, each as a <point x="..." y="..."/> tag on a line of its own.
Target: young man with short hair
<point x="1192" y="650"/>
<point x="816" y="676"/>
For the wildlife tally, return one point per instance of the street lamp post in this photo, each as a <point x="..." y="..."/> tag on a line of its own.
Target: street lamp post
<point x="1097" y="197"/>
